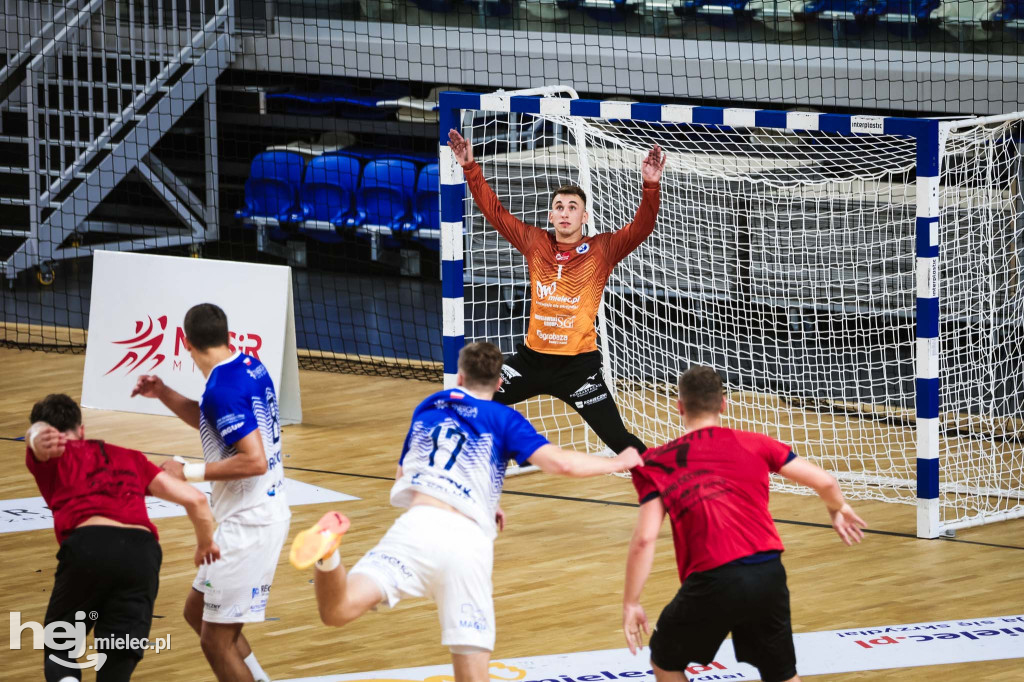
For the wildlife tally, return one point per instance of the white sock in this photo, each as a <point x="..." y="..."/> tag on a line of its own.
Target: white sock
<point x="258" y="673"/>
<point x="329" y="563"/>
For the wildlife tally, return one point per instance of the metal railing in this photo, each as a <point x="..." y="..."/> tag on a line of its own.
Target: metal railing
<point x="142" y="46"/>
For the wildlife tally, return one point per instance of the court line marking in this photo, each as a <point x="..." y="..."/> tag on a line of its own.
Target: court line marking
<point x="614" y="503"/>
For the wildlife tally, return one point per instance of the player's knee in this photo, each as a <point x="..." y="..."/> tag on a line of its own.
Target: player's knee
<point x="194" y="618"/>
<point x="213" y="643"/>
<point x="344" y="612"/>
<point x="190" y="618"/>
<point x="336" y="615"/>
<point x="193" y="610"/>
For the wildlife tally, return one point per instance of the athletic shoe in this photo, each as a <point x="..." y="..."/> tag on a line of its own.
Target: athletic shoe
<point x="318" y="542"/>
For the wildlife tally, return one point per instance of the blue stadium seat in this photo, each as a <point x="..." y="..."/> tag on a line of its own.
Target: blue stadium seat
<point x="272" y="188"/>
<point x="427" y="206"/>
<point x="494" y="8"/>
<point x="914" y="10"/>
<point x="603" y="10"/>
<point x="851" y="14"/>
<point x="326" y="195"/>
<point x="1011" y="16"/>
<point x="693" y="6"/>
<point x="907" y="17"/>
<point x="725" y="13"/>
<point x="435" y="5"/>
<point x="385" y="196"/>
<point x="366" y="154"/>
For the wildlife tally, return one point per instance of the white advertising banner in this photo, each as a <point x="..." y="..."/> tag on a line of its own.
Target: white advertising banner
<point x="137" y="311"/>
<point x="817" y="653"/>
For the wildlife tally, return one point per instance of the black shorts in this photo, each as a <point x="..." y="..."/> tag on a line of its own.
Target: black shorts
<point x="110" y="575"/>
<point x="573" y="379"/>
<point x="749" y="600"/>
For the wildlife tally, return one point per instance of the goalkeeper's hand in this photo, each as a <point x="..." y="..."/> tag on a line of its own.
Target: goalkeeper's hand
<point x="652" y="166"/>
<point x="462" y="149"/>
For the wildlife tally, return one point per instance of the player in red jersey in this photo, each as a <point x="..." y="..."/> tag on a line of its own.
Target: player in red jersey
<point x="713" y="484"/>
<point x="109" y="558"/>
<point x="568" y="273"/>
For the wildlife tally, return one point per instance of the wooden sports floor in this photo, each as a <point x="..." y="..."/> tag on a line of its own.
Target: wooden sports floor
<point x="558" y="566"/>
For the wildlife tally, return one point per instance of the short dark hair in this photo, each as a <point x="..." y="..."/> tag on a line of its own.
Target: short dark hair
<point x="206" y="326"/>
<point x="59" y="411"/>
<point x="701" y="390"/>
<point x="570" y="189"/>
<point x="480" y="364"/>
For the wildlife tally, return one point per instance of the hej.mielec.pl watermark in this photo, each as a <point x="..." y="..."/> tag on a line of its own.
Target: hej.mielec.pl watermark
<point x="70" y="637"/>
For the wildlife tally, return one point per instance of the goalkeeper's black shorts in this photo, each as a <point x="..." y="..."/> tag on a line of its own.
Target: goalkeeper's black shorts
<point x="574" y="379"/>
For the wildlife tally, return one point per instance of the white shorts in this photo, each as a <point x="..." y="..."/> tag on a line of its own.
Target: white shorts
<point x="236" y="587"/>
<point x="431" y="552"/>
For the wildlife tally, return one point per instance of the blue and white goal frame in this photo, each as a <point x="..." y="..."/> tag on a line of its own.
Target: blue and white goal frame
<point x="927" y="133"/>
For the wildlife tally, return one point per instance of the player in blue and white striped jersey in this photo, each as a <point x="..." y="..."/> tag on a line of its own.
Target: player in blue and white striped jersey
<point x="457" y="450"/>
<point x="450" y="478"/>
<point x="237" y="419"/>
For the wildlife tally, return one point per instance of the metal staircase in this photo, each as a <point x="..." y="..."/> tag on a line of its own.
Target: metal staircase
<point x="83" y="104"/>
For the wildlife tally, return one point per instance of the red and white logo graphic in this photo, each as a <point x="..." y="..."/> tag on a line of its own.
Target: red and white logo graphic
<point x="148" y="341"/>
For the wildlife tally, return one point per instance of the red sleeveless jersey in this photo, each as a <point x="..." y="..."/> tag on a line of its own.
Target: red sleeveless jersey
<point x="714" y="485"/>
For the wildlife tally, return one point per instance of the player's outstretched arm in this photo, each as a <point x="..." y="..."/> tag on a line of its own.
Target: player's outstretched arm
<point x="845" y="521"/>
<point x="638" y="568"/>
<point x="508" y="226"/>
<point x="194" y="501"/>
<point x="552" y="459"/>
<point x="45" y="441"/>
<point x="152" y="386"/>
<point x="625" y="240"/>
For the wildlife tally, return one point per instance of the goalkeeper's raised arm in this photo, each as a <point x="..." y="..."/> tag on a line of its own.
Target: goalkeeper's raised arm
<point x="568" y="273"/>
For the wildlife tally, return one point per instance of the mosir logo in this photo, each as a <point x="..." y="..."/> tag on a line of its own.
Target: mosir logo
<point x="545" y="290"/>
<point x="146" y="338"/>
<point x="145" y="344"/>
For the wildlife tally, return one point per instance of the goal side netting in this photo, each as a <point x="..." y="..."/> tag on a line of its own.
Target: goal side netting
<point x="787" y="261"/>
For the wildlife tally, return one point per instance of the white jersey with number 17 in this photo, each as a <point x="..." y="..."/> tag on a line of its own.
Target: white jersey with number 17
<point x="457" y="450"/>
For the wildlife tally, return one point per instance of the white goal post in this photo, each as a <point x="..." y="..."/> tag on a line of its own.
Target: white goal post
<point x="856" y="280"/>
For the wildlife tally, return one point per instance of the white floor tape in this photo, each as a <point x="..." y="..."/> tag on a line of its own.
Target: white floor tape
<point x="31" y="513"/>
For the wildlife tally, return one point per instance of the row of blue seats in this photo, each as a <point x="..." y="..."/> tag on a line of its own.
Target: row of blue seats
<point x="602" y="10"/>
<point x="384" y="197"/>
<point x="1012" y="11"/>
<point x="894" y="11"/>
<point x="493" y="8"/>
<point x="1010" y="15"/>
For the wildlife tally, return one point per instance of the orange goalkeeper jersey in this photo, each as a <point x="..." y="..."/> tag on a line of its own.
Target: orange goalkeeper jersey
<point x="566" y="280"/>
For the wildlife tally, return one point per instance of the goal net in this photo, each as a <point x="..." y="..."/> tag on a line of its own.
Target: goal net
<point x="789" y="261"/>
